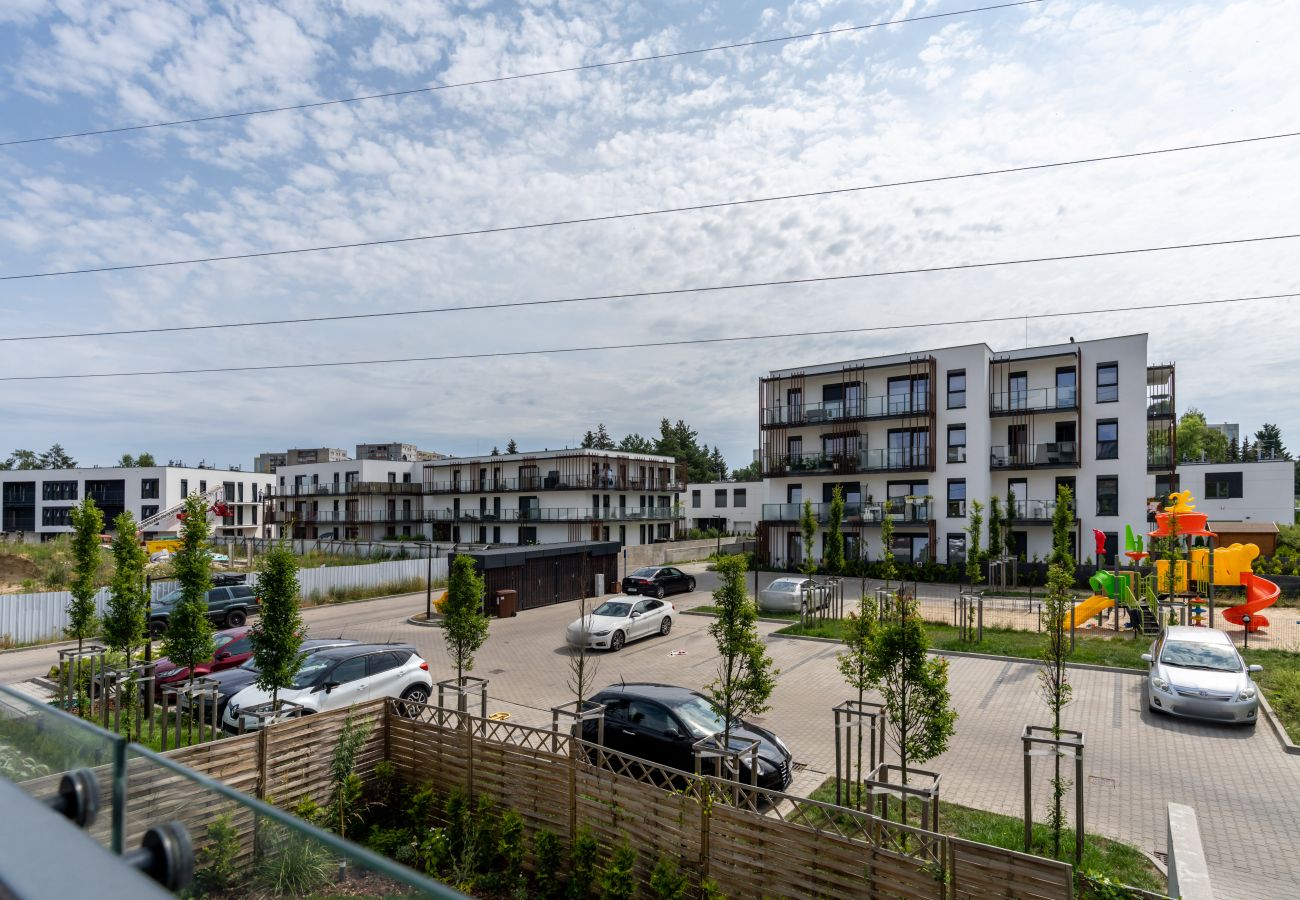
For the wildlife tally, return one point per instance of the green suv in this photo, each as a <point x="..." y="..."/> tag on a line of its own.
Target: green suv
<point x="228" y="606"/>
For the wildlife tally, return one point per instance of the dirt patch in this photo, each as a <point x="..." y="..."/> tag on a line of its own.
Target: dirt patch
<point x="14" y="570"/>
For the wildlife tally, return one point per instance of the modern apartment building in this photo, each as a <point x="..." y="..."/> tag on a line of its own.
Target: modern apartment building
<point x="554" y="496"/>
<point x="917" y="436"/>
<point x="395" y="452"/>
<point x="732" y="506"/>
<point x="38" y="502"/>
<point x="268" y="463"/>
<point x="355" y="499"/>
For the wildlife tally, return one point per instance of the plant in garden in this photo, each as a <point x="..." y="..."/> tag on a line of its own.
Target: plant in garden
<point x="290" y="863"/>
<point x="995" y="528"/>
<point x="667" y="880"/>
<point x="1062" y="525"/>
<point x="618" y="879"/>
<point x="888" y="564"/>
<point x="973" y="551"/>
<point x="808" y="527"/>
<point x="126" y="618"/>
<point x="548" y="856"/>
<point x="277" y="637"/>
<point x="464" y="627"/>
<point x="1007" y="540"/>
<point x="855" y="664"/>
<point x="745" y="674"/>
<point x="510" y="851"/>
<point x="215" y="870"/>
<point x="1053" y="679"/>
<point x="87" y="524"/>
<point x="582" y="864"/>
<point x="188" y="640"/>
<point x="834" y="557"/>
<point x="345" y="784"/>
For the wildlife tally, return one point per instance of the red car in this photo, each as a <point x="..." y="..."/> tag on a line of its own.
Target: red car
<point x="233" y="647"/>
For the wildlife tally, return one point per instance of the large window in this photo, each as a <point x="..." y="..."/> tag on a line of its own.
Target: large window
<point x="1108" y="383"/>
<point x="956" y="443"/>
<point x="720" y="498"/>
<point x="908" y="394"/>
<point x="956" y="548"/>
<point x="1107" y="439"/>
<point x="957" y="389"/>
<point x="695" y="499"/>
<point x="956" y="498"/>
<point x="739" y="498"/>
<point x="59" y="516"/>
<point x="1018" y="385"/>
<point x="148" y="509"/>
<point x="58" y="490"/>
<point x="913" y="548"/>
<point x="909" y="448"/>
<point x="1223" y="485"/>
<point x="1107" y="495"/>
<point x="1066" y="384"/>
<point x="148" y="488"/>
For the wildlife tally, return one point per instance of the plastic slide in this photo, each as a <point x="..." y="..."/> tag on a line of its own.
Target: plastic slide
<point x="1089" y="608"/>
<point x="1260" y="592"/>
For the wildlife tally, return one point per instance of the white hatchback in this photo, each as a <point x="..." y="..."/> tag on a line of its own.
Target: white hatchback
<point x="615" y="622"/>
<point x="338" y="677"/>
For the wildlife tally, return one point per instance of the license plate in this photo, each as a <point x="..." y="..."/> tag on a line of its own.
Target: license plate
<point x="631" y="590"/>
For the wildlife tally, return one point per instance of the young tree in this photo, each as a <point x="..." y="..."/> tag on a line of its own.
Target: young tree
<point x="464" y="627"/>
<point x="126" y="619"/>
<point x="855" y="664"/>
<point x="974" y="529"/>
<point x="188" y="640"/>
<point x="919" y="716"/>
<point x="1008" y="540"/>
<point x="1062" y="522"/>
<point x="277" y="637"/>
<point x="87" y="524"/>
<point x="582" y="665"/>
<point x="1053" y="678"/>
<point x="808" y="529"/>
<point x="834" y="557"/>
<point x="995" y="528"/>
<point x="888" y="564"/>
<point x="745" y="674"/>
<point x="512" y="447"/>
<point x="127" y="461"/>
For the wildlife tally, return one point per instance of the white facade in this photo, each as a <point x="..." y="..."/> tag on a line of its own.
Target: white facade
<point x="355" y="499"/>
<point x="1261" y="491"/>
<point x="916" y="436"/>
<point x="37" y="502"/>
<point x="733" y="506"/>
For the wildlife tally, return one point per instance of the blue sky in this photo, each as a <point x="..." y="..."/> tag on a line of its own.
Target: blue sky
<point x="1058" y="80"/>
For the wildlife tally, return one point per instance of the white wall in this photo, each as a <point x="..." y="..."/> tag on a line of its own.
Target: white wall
<point x="741" y="510"/>
<point x="1268" y="491"/>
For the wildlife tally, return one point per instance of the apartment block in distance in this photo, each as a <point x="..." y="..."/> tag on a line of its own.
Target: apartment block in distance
<point x="917" y="436"/>
<point x="555" y="496"/>
<point x="268" y="463"/>
<point x="38" y="502"/>
<point x="395" y="452"/>
<point x="354" y="499"/>
<point x="731" y="506"/>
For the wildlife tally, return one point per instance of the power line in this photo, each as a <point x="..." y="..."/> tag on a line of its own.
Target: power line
<point x="666" y="292"/>
<point x="644" y="344"/>
<point x="676" y="54"/>
<point x="612" y="217"/>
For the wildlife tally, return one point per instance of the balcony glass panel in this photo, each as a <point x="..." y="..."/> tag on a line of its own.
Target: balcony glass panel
<point x="1019" y="456"/>
<point x="1032" y="399"/>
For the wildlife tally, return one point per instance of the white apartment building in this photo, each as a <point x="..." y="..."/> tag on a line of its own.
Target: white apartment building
<point x="732" y="506"/>
<point x="1260" y="491"/>
<point x="37" y="503"/>
<point x="353" y="499"/>
<point x="554" y="496"/>
<point x="917" y="436"/>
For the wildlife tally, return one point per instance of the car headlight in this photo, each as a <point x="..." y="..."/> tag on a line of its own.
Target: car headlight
<point x="1247" y="693"/>
<point x="601" y="633"/>
<point x="1160" y="685"/>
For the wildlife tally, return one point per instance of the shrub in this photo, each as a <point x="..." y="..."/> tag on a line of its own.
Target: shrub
<point x="215" y="870"/>
<point x="389" y="842"/>
<point x="419" y="809"/>
<point x="582" y="865"/>
<point x="668" y="881"/>
<point x="510" y="850"/>
<point x="481" y="837"/>
<point x="434" y="852"/>
<point x="548" y="855"/>
<point x="618" y="880"/>
<point x="290" y="863"/>
<point x="709" y="890"/>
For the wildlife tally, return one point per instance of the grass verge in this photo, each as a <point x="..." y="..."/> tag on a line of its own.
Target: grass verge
<point x="710" y="610"/>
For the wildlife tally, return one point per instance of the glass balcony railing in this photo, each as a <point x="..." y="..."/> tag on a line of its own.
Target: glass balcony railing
<point x="1033" y="400"/>
<point x="347" y="487"/>
<point x="1032" y="456"/>
<point x="839" y="410"/>
<point x="605" y="482"/>
<point x="847" y="461"/>
<point x="902" y="510"/>
<point x="555" y="514"/>
<point x="1034" y="511"/>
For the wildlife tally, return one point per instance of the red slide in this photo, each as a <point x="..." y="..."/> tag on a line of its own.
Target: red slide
<point x="1260" y="592"/>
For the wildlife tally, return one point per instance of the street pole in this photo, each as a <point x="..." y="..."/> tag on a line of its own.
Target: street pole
<point x="428" y="586"/>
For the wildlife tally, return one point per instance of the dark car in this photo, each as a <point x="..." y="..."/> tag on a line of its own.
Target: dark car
<point x="657" y="581"/>
<point x="231" y="648"/>
<point x="231" y="681"/>
<point x="661" y="722"/>
<point x="228" y="607"/>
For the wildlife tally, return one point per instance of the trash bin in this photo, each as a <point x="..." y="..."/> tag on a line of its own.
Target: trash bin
<point x="507" y="603"/>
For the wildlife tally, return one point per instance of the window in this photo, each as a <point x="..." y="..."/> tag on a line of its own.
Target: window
<point x="240" y="488"/>
<point x="957" y="389"/>
<point x="720" y="497"/>
<point x="1107" y="495"/>
<point x="185" y="487"/>
<point x="739" y="498"/>
<point x="203" y="487"/>
<point x="956" y="443"/>
<point x="1108" y="383"/>
<point x="59" y="516"/>
<point x="386" y="661"/>
<point x="349" y="670"/>
<point x="695" y="499"/>
<point x="1107" y="439"/>
<point x="1223" y="485"/>
<point x="908" y="394"/>
<point x="956" y="549"/>
<point x="1018" y="385"/>
<point x="911" y="547"/>
<point x="148" y="509"/>
<point x="1066" y="388"/>
<point x="908" y="448"/>
<point x="392" y="478"/>
<point x="406" y="478"/>
<point x="956" y="498"/>
<point x="253" y="510"/>
<point x="59" y="490"/>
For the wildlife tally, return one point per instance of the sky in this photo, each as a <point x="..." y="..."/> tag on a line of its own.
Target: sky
<point x="1051" y="81"/>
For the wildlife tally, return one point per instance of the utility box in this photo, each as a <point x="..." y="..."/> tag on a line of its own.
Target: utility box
<point x="507" y="604"/>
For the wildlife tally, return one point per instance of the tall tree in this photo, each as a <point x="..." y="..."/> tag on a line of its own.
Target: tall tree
<point x="1268" y="441"/>
<point x="127" y="461"/>
<point x="495" y="452"/>
<point x="588" y="440"/>
<point x="127" y="615"/>
<point x="87" y="525"/>
<point x="635" y="443"/>
<point x="746" y="677"/>
<point x="834" y="558"/>
<point x="188" y="640"/>
<point x="512" y="447"/>
<point x="1053" y="678"/>
<point x="23" y="459"/>
<point x="277" y="636"/>
<point x="855" y="664"/>
<point x="1062" y="522"/>
<point x="808" y="529"/>
<point x="718" y="463"/>
<point x="57" y="458"/>
<point x="145" y="461"/>
<point x="974" y="529"/>
<point x="748" y="473"/>
<point x="1008" y="539"/>
<point x="995" y="528"/>
<point x="464" y="627"/>
<point x="602" y="440"/>
<point x="1250" y="452"/>
<point x="888" y="563"/>
<point x="1197" y="440"/>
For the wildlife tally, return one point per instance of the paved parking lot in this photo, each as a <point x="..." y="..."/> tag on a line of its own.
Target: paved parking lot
<point x="1245" y="790"/>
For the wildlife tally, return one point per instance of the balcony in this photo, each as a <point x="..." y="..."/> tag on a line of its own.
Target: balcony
<point x="1059" y="455"/>
<point x="1053" y="399"/>
<point x="1035" y="512"/>
<point x="899" y="511"/>
<point x="343" y="517"/>
<point x="557" y="482"/>
<point x="845" y="462"/>
<point x="352" y="488"/>
<point x="859" y="410"/>
<point x="554" y="514"/>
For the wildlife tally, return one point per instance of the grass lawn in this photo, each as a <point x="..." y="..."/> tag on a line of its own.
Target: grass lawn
<point x="713" y="611"/>
<point x="1101" y="856"/>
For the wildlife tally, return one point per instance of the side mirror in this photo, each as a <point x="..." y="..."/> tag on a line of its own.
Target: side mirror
<point x="329" y="686"/>
<point x="1254" y="668"/>
<point x="1146" y="658"/>
<point x="636" y="615"/>
<point x="224" y="654"/>
<point x="672" y="733"/>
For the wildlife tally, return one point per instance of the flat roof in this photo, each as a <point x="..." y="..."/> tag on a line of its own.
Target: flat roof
<point x="504" y="557"/>
<point x="1243" y="527"/>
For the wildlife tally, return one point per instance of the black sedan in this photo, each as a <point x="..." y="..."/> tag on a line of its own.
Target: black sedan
<point x="660" y="723"/>
<point x="658" y="581"/>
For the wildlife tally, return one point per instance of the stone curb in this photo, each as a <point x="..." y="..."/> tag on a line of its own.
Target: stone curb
<point x="1288" y="746"/>
<point x="423" y="622"/>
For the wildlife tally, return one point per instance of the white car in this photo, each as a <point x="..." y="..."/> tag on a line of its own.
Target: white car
<point x="792" y="595"/>
<point x="615" y="622"/>
<point x="337" y="677"/>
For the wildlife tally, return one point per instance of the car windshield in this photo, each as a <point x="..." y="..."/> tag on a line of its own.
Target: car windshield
<point x="169" y="598"/>
<point x="645" y="573"/>
<point x="611" y="608"/>
<point x="784" y="587"/>
<point x="700" y="716"/>
<point x="1196" y="655"/>
<point x="311" y="671"/>
<point x="249" y="665"/>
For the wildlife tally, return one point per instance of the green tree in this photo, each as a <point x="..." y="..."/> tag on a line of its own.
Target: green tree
<point x="1008" y="540"/>
<point x="1268" y="442"/>
<point x="23" y="459"/>
<point x="1196" y="440"/>
<point x="87" y="525"/>
<point x="679" y="440"/>
<point x="512" y="447"/>
<point x="635" y="443"/>
<point x="855" y="664"/>
<point x="834" y="536"/>
<point x="126" y="618"/>
<point x="888" y="564"/>
<point x="277" y="637"/>
<point x="145" y="461"/>
<point x="588" y="440"/>
<point x="495" y="452"/>
<point x="718" y="463"/>
<point x="464" y="627"/>
<point x="995" y="528"/>
<point x="1062" y="523"/>
<point x="127" y="461"/>
<point x="918" y="709"/>
<point x="808" y="529"/>
<point x="746" y="677"/>
<point x="748" y="473"/>
<point x="1053" y="678"/>
<point x="57" y="458"/>
<point x="602" y="440"/>
<point x="188" y="640"/>
<point x="974" y="529"/>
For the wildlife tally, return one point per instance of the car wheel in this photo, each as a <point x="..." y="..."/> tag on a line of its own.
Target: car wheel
<point x="235" y="618"/>
<point x="415" y="694"/>
<point x="690" y="585"/>
<point x="666" y="625"/>
<point x="659" y="592"/>
<point x="616" y="642"/>
<point x="157" y="628"/>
